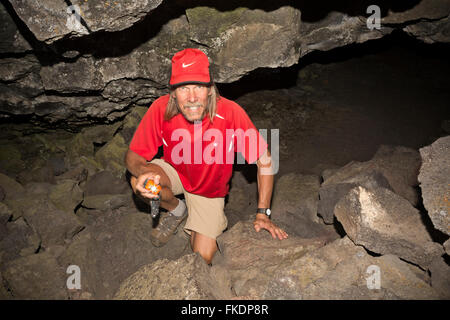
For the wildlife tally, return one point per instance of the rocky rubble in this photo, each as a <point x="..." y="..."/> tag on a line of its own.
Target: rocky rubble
<point x="385" y="236"/>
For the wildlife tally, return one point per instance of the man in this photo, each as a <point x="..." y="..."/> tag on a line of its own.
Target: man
<point x="199" y="130"/>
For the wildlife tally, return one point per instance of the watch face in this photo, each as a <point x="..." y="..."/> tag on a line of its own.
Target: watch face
<point x="268" y="212"/>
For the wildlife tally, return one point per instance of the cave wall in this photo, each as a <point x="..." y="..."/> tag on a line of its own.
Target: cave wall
<point x="83" y="61"/>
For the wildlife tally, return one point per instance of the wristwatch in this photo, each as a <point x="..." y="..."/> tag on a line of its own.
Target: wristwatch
<point x="266" y="211"/>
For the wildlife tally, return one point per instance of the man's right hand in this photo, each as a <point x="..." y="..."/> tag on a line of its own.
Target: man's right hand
<point x="138" y="184"/>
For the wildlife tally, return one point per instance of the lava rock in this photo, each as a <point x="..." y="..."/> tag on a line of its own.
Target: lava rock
<point x="330" y="193"/>
<point x="165" y="279"/>
<point x="5" y="215"/>
<point x="115" y="246"/>
<point x="440" y="277"/>
<point x="297" y="194"/>
<point x="386" y="223"/>
<point x="111" y="156"/>
<point x="37" y="276"/>
<point x="105" y="202"/>
<point x="104" y="182"/>
<point x="18" y="240"/>
<point x="52" y="20"/>
<point x="12" y="39"/>
<point x="340" y="270"/>
<point x="392" y="167"/>
<point x="54" y="226"/>
<point x="11" y="187"/>
<point x="447" y="247"/>
<point x="66" y="195"/>
<point x="251" y="258"/>
<point x="434" y="180"/>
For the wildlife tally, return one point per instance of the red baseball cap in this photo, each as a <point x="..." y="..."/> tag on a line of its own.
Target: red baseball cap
<point x="190" y="66"/>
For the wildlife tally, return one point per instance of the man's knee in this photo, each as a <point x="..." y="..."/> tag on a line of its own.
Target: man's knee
<point x="205" y="246"/>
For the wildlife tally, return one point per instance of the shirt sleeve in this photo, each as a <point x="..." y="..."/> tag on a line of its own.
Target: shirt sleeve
<point x="249" y="142"/>
<point x="147" y="137"/>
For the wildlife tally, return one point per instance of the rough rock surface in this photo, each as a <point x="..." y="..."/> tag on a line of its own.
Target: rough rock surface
<point x="35" y="276"/>
<point x="434" y="180"/>
<point x="195" y="280"/>
<point x="331" y="193"/>
<point x="339" y="271"/>
<point x="55" y="19"/>
<point x="257" y="267"/>
<point x="447" y="247"/>
<point x="12" y="39"/>
<point x="115" y="246"/>
<point x="53" y="225"/>
<point x="11" y="188"/>
<point x="18" y="240"/>
<point x="385" y="223"/>
<point x="294" y="206"/>
<point x="166" y="279"/>
<point x="440" y="277"/>
<point x="392" y="167"/>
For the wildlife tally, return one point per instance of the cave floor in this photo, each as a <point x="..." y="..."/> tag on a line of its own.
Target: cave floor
<point x="344" y="110"/>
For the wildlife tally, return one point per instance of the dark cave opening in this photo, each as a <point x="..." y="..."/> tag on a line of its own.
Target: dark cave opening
<point x="389" y="91"/>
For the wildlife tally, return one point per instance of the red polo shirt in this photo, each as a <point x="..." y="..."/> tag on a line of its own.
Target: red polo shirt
<point x="202" y="152"/>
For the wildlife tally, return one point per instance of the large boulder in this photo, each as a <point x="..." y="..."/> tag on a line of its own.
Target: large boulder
<point x="434" y="180"/>
<point x="430" y="31"/>
<point x="242" y="199"/>
<point x="84" y="144"/>
<point x="165" y="279"/>
<point x="447" y="246"/>
<point x="297" y="194"/>
<point x="245" y="253"/>
<point x="11" y="187"/>
<point x="37" y="276"/>
<point x="111" y="156"/>
<point x="340" y="270"/>
<point x="53" y="225"/>
<point x="104" y="182"/>
<point x="66" y="195"/>
<point x="330" y="193"/>
<point x="251" y="258"/>
<point x="386" y="223"/>
<point x="5" y="215"/>
<point x="52" y="20"/>
<point x="270" y="38"/>
<point x="12" y="39"/>
<point x="18" y="240"/>
<point x="440" y="277"/>
<point x="105" y="202"/>
<point x="392" y="167"/>
<point x="294" y="206"/>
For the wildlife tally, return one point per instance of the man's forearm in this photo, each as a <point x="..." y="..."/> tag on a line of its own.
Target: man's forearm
<point x="265" y="180"/>
<point x="135" y="163"/>
<point x="265" y="187"/>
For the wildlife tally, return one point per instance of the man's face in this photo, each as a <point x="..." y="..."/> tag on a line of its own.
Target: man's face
<point x="192" y="100"/>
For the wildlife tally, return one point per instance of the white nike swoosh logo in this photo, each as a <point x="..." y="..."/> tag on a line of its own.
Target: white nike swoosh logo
<point x="187" y="65"/>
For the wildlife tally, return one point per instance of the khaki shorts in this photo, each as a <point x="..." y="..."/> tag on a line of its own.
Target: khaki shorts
<point x="205" y="215"/>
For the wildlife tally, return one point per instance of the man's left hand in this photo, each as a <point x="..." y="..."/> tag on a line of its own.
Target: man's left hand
<point x="263" y="222"/>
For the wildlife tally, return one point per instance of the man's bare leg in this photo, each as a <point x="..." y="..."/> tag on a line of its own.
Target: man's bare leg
<point x="204" y="245"/>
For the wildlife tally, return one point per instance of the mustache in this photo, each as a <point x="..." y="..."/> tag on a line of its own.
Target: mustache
<point x="193" y="105"/>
